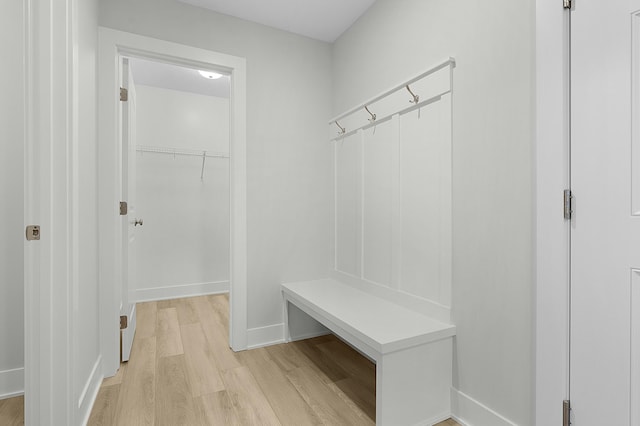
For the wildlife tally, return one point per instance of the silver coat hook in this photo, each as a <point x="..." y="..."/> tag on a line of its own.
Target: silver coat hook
<point x="342" y="129"/>
<point x="416" y="98"/>
<point x="373" y="116"/>
<point x="204" y="158"/>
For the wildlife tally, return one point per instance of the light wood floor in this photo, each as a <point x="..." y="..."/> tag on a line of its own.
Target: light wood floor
<point x="12" y="411"/>
<point x="182" y="372"/>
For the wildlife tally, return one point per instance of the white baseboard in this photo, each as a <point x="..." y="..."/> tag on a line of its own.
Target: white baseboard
<point x="90" y="391"/>
<point x="179" y="291"/>
<point x="469" y="412"/>
<point x="274" y="335"/>
<point x="265" y="336"/>
<point x="434" y="421"/>
<point x="11" y="383"/>
<point x="310" y="335"/>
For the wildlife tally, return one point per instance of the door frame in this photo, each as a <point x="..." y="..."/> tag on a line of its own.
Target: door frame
<point x="112" y="44"/>
<point x="552" y="157"/>
<point x="51" y="201"/>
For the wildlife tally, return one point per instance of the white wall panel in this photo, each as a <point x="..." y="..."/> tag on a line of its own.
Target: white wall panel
<point x="393" y="193"/>
<point x="377" y="202"/>
<point x="348" y="204"/>
<point x="425" y="200"/>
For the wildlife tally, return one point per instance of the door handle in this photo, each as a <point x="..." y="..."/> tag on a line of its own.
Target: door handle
<point x="137" y="222"/>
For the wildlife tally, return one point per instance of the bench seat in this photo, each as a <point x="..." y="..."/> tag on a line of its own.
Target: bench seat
<point x="412" y="352"/>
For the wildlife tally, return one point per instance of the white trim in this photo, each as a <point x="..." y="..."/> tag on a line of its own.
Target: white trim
<point x="634" y="414"/>
<point x="467" y="411"/>
<point x="112" y="44"/>
<point x="435" y="420"/>
<point x="311" y="334"/>
<point x="449" y="62"/>
<point x="90" y="391"/>
<point x="51" y="202"/>
<point x="128" y="334"/>
<point x="274" y="335"/>
<point x="551" y="177"/>
<point x="11" y="383"/>
<point x="265" y="336"/>
<point x="179" y="291"/>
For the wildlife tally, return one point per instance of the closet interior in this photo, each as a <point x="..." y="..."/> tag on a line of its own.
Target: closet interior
<point x="182" y="182"/>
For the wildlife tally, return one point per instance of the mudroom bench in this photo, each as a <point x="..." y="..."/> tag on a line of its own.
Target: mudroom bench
<point x="412" y="352"/>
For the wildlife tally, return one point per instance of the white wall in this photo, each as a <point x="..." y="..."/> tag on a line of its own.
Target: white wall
<point x="552" y="230"/>
<point x="492" y="174"/>
<point x="11" y="199"/>
<point x="175" y="119"/>
<point x="183" y="246"/>
<point x="86" y="367"/>
<point x="288" y="158"/>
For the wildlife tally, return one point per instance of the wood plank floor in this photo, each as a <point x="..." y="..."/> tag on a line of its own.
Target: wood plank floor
<point x="12" y="411"/>
<point x="182" y="372"/>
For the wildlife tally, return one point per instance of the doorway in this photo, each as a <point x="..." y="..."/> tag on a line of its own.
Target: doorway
<point x="176" y="181"/>
<point x="115" y="45"/>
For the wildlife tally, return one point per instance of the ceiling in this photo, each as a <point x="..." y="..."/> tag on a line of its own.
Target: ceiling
<point x="167" y="76"/>
<point x="323" y="20"/>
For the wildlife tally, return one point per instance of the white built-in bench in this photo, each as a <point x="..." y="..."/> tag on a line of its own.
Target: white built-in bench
<point x="412" y="352"/>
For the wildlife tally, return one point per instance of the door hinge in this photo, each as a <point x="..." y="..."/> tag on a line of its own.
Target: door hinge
<point x="33" y="233"/>
<point x="124" y="322"/>
<point x="566" y="412"/>
<point x="124" y="208"/>
<point x="568" y="204"/>
<point x="124" y="94"/>
<point x="567" y="4"/>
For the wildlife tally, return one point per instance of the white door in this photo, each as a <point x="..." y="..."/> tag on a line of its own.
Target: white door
<point x="605" y="234"/>
<point x="129" y="220"/>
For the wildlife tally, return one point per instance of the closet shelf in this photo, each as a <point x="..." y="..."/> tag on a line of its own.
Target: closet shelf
<point x="181" y="152"/>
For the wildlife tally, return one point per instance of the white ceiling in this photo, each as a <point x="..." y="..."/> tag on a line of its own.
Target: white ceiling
<point x="323" y="20"/>
<point x="166" y="76"/>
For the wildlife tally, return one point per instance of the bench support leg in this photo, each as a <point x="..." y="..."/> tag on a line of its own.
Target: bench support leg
<point x="413" y="385"/>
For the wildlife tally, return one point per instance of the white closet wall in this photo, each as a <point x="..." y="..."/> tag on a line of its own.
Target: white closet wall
<point x="183" y="246"/>
<point x="11" y="200"/>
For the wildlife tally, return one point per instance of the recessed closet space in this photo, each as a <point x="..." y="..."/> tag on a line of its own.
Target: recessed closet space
<point x="393" y="192"/>
<point x="182" y="181"/>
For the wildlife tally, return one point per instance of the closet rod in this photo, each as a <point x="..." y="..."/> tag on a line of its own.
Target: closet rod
<point x="451" y="61"/>
<point x="182" y="152"/>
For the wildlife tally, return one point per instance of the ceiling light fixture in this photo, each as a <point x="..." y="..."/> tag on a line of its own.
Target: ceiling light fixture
<point x="210" y="75"/>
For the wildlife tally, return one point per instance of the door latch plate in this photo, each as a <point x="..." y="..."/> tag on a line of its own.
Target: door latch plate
<point x="33" y="233"/>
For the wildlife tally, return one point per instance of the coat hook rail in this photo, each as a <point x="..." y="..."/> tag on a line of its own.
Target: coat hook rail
<point x="342" y="129"/>
<point x="416" y="98"/>
<point x="448" y="63"/>
<point x="373" y="116"/>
